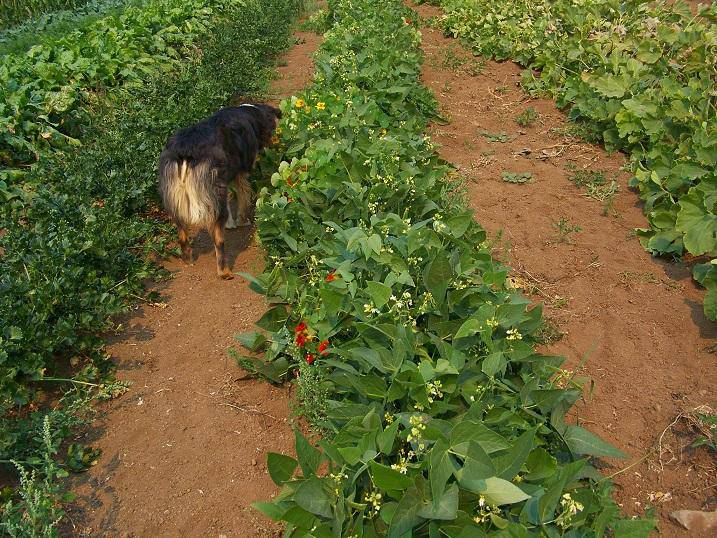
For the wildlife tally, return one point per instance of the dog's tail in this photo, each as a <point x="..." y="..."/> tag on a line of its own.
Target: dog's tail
<point x="188" y="191"/>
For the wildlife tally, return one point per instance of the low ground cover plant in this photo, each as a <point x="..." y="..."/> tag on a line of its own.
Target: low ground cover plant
<point x="412" y="352"/>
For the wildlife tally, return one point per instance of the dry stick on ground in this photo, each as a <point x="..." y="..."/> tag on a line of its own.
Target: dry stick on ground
<point x="657" y="447"/>
<point x="244" y="407"/>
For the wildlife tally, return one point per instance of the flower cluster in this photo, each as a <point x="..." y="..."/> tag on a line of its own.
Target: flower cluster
<point x="404" y="459"/>
<point x="304" y="338"/>
<point x="417" y="429"/>
<point x="485" y="511"/>
<point x="514" y="334"/>
<point x="434" y="390"/>
<point x="570" y="508"/>
<point x="338" y="479"/>
<point x="374" y="500"/>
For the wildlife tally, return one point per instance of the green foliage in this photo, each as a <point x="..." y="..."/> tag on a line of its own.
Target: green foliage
<point x="36" y="511"/>
<point x="15" y="11"/>
<point x="78" y="244"/>
<point x="641" y="76"/>
<point x="708" y="427"/>
<point x="440" y="417"/>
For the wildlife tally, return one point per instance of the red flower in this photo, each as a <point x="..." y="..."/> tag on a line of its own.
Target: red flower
<point x="330" y="277"/>
<point x="300" y="339"/>
<point x="301" y="327"/>
<point x="310" y="358"/>
<point x="322" y="347"/>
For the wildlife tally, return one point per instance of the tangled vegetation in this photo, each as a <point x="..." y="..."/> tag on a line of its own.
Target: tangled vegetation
<point x="413" y="354"/>
<point x="641" y="77"/>
<point x="80" y="229"/>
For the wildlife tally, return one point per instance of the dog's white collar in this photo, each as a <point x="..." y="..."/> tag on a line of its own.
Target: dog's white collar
<point x="247" y="104"/>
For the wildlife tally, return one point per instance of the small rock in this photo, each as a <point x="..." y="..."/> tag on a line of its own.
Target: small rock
<point x="253" y="462"/>
<point x="694" y="520"/>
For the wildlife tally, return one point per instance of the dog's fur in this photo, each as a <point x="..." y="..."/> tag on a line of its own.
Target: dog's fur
<point x="200" y="163"/>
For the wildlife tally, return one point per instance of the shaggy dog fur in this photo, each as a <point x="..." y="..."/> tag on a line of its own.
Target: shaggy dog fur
<point x="200" y="163"/>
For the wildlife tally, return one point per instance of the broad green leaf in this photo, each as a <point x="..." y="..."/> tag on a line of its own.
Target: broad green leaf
<point x="271" y="510"/>
<point x="443" y="508"/>
<point x="273" y="319"/>
<point x="634" y="528"/>
<point x="509" y="465"/>
<point x="309" y="456"/>
<point x="253" y="341"/>
<point x="312" y="496"/>
<point x="698" y="225"/>
<point x="388" y="479"/>
<point x="469" y="328"/>
<point x="332" y="300"/>
<point x="437" y="276"/>
<point x="379" y="293"/>
<point x="406" y="517"/>
<point x="386" y="438"/>
<point x="281" y="467"/>
<point x="441" y="467"/>
<point x="498" y="491"/>
<point x="468" y="430"/>
<point x="582" y="442"/>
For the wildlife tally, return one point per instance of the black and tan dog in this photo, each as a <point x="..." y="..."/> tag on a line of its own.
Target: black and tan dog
<point x="200" y="163"/>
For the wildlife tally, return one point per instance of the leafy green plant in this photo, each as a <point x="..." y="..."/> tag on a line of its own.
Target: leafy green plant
<point x="708" y="427"/>
<point x="639" y="77"/>
<point x="565" y="230"/>
<point x="597" y="187"/>
<point x="439" y="417"/>
<point x="527" y="118"/>
<point x="516" y="177"/>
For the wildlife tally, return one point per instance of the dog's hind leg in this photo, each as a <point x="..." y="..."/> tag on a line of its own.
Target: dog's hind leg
<point x="245" y="198"/>
<point x="184" y="243"/>
<point x="231" y="223"/>
<point x="217" y="231"/>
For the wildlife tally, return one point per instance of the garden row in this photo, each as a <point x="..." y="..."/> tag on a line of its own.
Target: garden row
<point x="640" y="76"/>
<point x="413" y="355"/>
<point x="81" y="234"/>
<point x="16" y="11"/>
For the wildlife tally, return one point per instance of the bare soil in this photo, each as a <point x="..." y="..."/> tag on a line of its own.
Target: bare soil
<point x="637" y="319"/>
<point x="184" y="451"/>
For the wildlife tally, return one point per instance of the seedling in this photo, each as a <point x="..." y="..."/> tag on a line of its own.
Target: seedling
<point x="565" y="230"/>
<point x="516" y="177"/>
<point x="549" y="332"/>
<point x="527" y="118"/>
<point x="597" y="188"/>
<point x="501" y="137"/>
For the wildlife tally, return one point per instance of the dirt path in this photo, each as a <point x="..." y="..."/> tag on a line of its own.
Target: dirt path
<point x="652" y="351"/>
<point x="183" y="452"/>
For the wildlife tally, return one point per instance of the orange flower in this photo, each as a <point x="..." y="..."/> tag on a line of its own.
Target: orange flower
<point x="330" y="277"/>
<point x="300" y="339"/>
<point x="322" y="347"/>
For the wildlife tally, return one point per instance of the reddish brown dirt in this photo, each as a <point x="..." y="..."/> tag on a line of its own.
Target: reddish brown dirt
<point x="650" y="349"/>
<point x="184" y="450"/>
